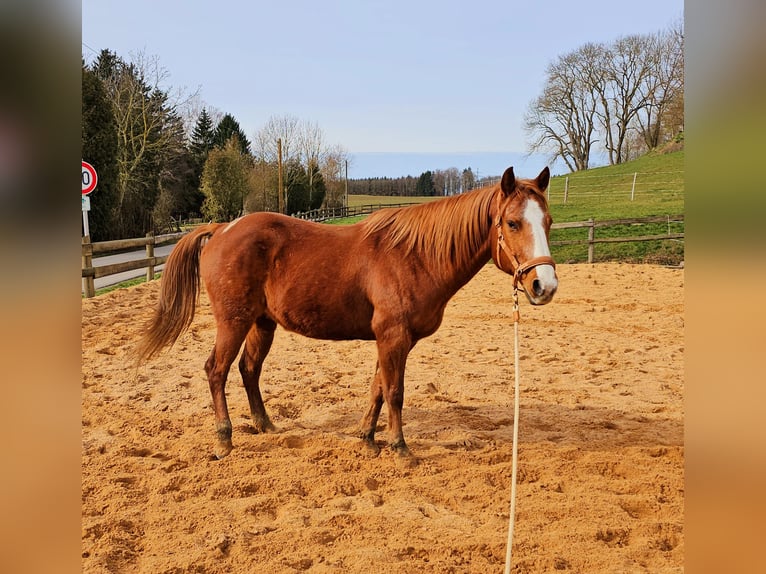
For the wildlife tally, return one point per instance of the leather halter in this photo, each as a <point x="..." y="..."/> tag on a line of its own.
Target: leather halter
<point x="518" y="269"/>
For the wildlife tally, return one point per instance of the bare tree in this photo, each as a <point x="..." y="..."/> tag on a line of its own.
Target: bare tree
<point x="562" y="121"/>
<point x="662" y="116"/>
<point x="333" y="169"/>
<point x="628" y="94"/>
<point x="148" y="130"/>
<point x="286" y="128"/>
<point x="628" y="68"/>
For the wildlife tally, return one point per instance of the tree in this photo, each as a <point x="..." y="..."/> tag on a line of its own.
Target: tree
<point x="99" y="148"/>
<point x="225" y="182"/>
<point x="227" y="128"/>
<point x="284" y="128"/>
<point x="146" y="128"/>
<point x="627" y="95"/>
<point x="201" y="142"/>
<point x="334" y="175"/>
<point x="562" y="120"/>
<point x="179" y="193"/>
<point x="316" y="187"/>
<point x="296" y="182"/>
<point x="203" y="136"/>
<point x="425" y="186"/>
<point x="467" y="179"/>
<point x="627" y="68"/>
<point x="662" y="118"/>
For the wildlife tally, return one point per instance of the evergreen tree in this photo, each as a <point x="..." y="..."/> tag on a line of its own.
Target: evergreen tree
<point x="317" y="188"/>
<point x="202" y="141"/>
<point x="179" y="193"/>
<point x="297" y="184"/>
<point x="203" y="136"/>
<point x="227" y="128"/>
<point x="99" y="148"/>
<point x="425" y="184"/>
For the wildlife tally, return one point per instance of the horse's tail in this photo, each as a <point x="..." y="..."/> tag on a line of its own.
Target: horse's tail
<point x="179" y="292"/>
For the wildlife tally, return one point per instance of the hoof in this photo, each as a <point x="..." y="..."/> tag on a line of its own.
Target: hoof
<point x="405" y="458"/>
<point x="222" y="450"/>
<point x="261" y="428"/>
<point x="370" y="448"/>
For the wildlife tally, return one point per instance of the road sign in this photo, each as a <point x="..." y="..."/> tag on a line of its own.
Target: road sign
<point x="89" y="178"/>
<point x="85" y="203"/>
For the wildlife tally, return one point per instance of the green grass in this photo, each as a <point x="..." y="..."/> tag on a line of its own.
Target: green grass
<point x="358" y="200"/>
<point x="605" y="193"/>
<point x="124" y="284"/>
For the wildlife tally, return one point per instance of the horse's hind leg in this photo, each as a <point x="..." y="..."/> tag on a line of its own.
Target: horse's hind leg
<point x="257" y="345"/>
<point x="370" y="419"/>
<point x="228" y="341"/>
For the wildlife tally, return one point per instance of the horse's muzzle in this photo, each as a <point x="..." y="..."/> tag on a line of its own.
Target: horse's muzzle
<point x="543" y="287"/>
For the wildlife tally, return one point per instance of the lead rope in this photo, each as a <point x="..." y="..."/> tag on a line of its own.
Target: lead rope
<point x="515" y="451"/>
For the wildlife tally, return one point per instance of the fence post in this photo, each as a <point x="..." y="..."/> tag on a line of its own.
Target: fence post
<point x="566" y="188"/>
<point x="87" y="261"/>
<point x="633" y="189"/>
<point x="149" y="255"/>
<point x="591" y="237"/>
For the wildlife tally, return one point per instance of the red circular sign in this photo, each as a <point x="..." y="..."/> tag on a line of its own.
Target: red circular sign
<point x="89" y="178"/>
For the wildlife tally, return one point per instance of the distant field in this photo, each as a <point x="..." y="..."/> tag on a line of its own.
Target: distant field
<point x="357" y="200"/>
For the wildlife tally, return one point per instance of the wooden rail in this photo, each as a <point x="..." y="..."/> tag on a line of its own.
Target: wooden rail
<point x="89" y="272"/>
<point x="592" y="225"/>
<point x="328" y="213"/>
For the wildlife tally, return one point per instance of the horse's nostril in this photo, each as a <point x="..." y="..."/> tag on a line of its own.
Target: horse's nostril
<point x="537" y="287"/>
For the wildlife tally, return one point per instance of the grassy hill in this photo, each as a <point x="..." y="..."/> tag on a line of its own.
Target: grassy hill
<point x="652" y="185"/>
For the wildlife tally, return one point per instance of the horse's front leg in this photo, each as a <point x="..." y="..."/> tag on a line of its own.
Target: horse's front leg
<point x="393" y="347"/>
<point x="257" y="345"/>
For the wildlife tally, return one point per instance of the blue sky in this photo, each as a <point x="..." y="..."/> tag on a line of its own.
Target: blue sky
<point x="415" y="77"/>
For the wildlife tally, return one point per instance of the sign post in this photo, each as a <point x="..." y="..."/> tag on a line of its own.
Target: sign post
<point x="89" y="182"/>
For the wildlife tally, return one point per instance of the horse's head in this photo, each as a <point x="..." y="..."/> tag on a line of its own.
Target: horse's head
<point x="520" y="235"/>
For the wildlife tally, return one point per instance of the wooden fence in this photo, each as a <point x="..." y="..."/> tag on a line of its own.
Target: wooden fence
<point x="89" y="272"/>
<point x="592" y="225"/>
<point x="328" y="213"/>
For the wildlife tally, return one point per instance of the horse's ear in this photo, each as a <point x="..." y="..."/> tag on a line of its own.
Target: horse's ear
<point x="508" y="183"/>
<point x="543" y="179"/>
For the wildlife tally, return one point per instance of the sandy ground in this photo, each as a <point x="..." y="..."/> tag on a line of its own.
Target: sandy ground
<point x="601" y="486"/>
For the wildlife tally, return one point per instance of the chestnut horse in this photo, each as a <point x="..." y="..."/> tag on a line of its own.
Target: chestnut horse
<point x="386" y="278"/>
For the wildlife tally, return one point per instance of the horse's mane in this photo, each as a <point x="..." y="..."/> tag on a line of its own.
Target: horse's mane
<point x="447" y="232"/>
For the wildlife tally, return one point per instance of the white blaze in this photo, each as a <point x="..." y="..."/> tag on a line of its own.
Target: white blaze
<point x="534" y="216"/>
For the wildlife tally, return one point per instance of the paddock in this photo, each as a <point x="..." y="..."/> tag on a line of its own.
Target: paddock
<point x="601" y="485"/>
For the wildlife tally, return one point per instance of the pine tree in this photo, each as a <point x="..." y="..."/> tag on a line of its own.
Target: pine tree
<point x="99" y="148"/>
<point x="425" y="184"/>
<point x="297" y="184"/>
<point x="202" y="141"/>
<point x="203" y="136"/>
<point x="227" y="128"/>
<point x="317" y="188"/>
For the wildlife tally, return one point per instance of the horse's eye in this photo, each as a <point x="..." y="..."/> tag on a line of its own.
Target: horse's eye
<point x="513" y="225"/>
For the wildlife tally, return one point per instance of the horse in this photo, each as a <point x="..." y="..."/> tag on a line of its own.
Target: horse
<point x="386" y="278"/>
